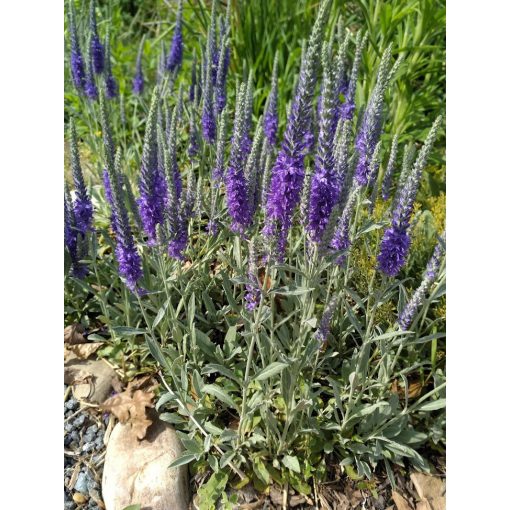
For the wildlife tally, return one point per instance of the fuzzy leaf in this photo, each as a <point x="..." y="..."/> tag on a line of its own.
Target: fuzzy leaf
<point x="272" y="369"/>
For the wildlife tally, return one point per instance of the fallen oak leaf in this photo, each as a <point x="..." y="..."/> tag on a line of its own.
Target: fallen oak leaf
<point x="119" y="406"/>
<point x="140" y="426"/>
<point x="130" y="407"/>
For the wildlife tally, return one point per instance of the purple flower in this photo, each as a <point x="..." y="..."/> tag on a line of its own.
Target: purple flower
<point x="325" y="324"/>
<point x="73" y="238"/>
<point x="193" y="146"/>
<point x="393" y="252"/>
<point x="77" y="67"/>
<point x="406" y="317"/>
<point x="346" y="110"/>
<point x="271" y="115"/>
<point x="77" y="61"/>
<point x="82" y="204"/>
<point x="111" y="85"/>
<point x="221" y="77"/>
<point x="178" y="244"/>
<point x="96" y="48"/>
<point x="90" y="86"/>
<point x="153" y="190"/>
<point x="208" y="117"/>
<point x="174" y="58"/>
<point x="97" y="52"/>
<point x="396" y="241"/>
<point x="130" y="263"/>
<point x="193" y="84"/>
<point x="390" y="169"/>
<point x="138" y="81"/>
<point x="341" y="241"/>
<point x="325" y="185"/>
<point x="288" y="171"/>
<point x="176" y="210"/>
<point x="107" y="187"/>
<point x="372" y="122"/>
<point x="253" y="295"/>
<point x="128" y="258"/>
<point x="161" y="65"/>
<point x="90" y="81"/>
<point x="236" y="185"/>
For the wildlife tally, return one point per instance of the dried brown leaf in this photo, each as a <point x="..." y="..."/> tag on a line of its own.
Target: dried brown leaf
<point x="140" y="426"/>
<point x="119" y="406"/>
<point x="400" y="502"/>
<point x="81" y="351"/>
<point x="73" y="334"/>
<point x="130" y="407"/>
<point x="428" y="486"/>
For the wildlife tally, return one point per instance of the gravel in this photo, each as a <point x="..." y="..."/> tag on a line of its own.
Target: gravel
<point x="84" y="447"/>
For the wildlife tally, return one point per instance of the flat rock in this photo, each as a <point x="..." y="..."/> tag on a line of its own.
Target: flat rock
<point x="91" y="379"/>
<point x="136" y="472"/>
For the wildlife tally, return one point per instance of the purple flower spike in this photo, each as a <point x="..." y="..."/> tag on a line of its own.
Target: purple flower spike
<point x="325" y="185"/>
<point x="325" y="323"/>
<point x="271" y="115"/>
<point x="174" y="58"/>
<point x="220" y="93"/>
<point x="177" y="245"/>
<point x="406" y="317"/>
<point x="97" y="52"/>
<point x="111" y="85"/>
<point x="77" y="61"/>
<point x="371" y="125"/>
<point x="77" y="68"/>
<point x="96" y="48"/>
<point x="82" y="204"/>
<point x="90" y="86"/>
<point x="348" y="106"/>
<point x="253" y="294"/>
<point x="130" y="262"/>
<point x="236" y="185"/>
<point x="394" y="248"/>
<point x="138" y="81"/>
<point x="396" y="240"/>
<point x="73" y="238"/>
<point x="288" y="171"/>
<point x="153" y="192"/>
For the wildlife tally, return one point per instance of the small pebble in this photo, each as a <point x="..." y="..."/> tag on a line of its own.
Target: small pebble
<point x="69" y="505"/>
<point x="91" y="485"/>
<point x="81" y="483"/>
<point x="71" y="404"/>
<point x="79" y="498"/>
<point x="68" y="427"/>
<point x="91" y="430"/>
<point x="87" y="447"/>
<point x="79" y="421"/>
<point x="88" y="438"/>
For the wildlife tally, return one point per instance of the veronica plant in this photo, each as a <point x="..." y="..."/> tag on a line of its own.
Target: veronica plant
<point x="275" y="340"/>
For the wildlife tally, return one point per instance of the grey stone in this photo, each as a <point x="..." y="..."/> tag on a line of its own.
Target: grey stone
<point x="81" y="483"/>
<point x="137" y="471"/>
